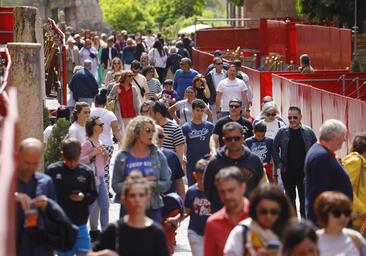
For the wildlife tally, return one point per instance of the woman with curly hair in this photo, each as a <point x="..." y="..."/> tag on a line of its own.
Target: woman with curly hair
<point x="140" y="153"/>
<point x="269" y="212"/>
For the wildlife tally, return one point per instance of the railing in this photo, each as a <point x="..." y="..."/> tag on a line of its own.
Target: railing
<point x="8" y="165"/>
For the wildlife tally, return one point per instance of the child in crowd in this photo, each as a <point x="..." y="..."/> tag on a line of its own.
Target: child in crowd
<point x="198" y="208"/>
<point x="260" y="145"/>
<point x="168" y="95"/>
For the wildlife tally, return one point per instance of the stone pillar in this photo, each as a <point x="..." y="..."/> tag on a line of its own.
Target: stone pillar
<point x="26" y="76"/>
<point x="28" y="27"/>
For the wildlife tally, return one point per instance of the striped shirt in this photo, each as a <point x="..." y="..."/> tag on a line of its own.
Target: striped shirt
<point x="174" y="135"/>
<point x="154" y="87"/>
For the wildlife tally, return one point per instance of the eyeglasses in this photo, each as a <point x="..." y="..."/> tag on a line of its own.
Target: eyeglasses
<point x="234" y="106"/>
<point x="271" y="114"/>
<point x="220" y="63"/>
<point x="292" y="117"/>
<point x="149" y="130"/>
<point x="337" y="213"/>
<point x="129" y="76"/>
<point x="161" y="136"/>
<point x="232" y="138"/>
<point x="101" y="124"/>
<point x="265" y="211"/>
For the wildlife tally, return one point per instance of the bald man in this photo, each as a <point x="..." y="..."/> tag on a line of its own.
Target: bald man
<point x="33" y="191"/>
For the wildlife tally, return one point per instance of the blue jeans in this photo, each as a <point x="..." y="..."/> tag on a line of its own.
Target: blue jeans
<point x="82" y="243"/>
<point x="102" y="204"/>
<point x="154" y="214"/>
<point x="87" y="100"/>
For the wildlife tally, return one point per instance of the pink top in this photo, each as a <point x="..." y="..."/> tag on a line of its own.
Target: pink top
<point x="100" y="160"/>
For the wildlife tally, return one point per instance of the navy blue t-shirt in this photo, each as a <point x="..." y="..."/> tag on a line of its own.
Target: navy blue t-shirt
<point x="200" y="207"/>
<point x="198" y="141"/>
<point x="263" y="148"/>
<point x="175" y="166"/>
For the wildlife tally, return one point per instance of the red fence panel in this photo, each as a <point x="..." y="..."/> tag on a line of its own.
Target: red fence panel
<point x="6" y="24"/>
<point x="227" y="38"/>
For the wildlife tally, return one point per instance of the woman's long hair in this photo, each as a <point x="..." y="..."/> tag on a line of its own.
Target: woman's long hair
<point x="134" y="129"/>
<point x="157" y="45"/>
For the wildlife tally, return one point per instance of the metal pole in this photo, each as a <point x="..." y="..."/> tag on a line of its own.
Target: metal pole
<point x="355" y="30"/>
<point x="343" y="84"/>
<point x="358" y="88"/>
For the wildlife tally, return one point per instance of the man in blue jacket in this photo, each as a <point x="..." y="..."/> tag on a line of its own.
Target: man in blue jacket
<point x="232" y="154"/>
<point x="323" y="172"/>
<point x="83" y="85"/>
<point x="288" y="151"/>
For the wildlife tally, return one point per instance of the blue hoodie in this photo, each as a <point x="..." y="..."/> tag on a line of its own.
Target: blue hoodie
<point x="247" y="161"/>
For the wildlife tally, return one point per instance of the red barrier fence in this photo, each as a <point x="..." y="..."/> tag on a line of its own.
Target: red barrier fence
<point x="6" y="24"/>
<point x="7" y="166"/>
<point x="319" y="105"/>
<point x="227" y="38"/>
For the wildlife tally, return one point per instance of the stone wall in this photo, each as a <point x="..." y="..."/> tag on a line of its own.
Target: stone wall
<point x="79" y="13"/>
<point x="269" y="8"/>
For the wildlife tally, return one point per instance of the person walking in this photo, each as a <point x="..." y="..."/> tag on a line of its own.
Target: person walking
<point x="288" y="151"/>
<point x="322" y="170"/>
<point x="158" y="57"/>
<point x="139" y="153"/>
<point x="80" y="115"/>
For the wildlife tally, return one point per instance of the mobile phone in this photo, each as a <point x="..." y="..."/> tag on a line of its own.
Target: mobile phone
<point x="75" y="192"/>
<point x="273" y="246"/>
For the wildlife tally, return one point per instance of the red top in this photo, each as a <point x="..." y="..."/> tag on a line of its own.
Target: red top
<point x="126" y="102"/>
<point x="218" y="228"/>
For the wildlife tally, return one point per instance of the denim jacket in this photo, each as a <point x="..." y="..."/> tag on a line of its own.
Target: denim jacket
<point x="280" y="145"/>
<point x="162" y="173"/>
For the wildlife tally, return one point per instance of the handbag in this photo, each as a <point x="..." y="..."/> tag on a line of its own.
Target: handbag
<point x="111" y="105"/>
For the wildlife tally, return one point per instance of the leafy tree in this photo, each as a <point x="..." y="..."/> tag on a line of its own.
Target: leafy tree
<point x="339" y="11"/>
<point x="237" y="2"/>
<point x="53" y="147"/>
<point x="126" y="14"/>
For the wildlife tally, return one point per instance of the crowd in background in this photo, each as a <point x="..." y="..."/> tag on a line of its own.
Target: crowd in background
<point x="263" y="185"/>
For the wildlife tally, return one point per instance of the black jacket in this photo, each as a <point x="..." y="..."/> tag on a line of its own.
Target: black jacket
<point x="83" y="84"/>
<point x="68" y="182"/>
<point x="105" y="56"/>
<point x="248" y="161"/>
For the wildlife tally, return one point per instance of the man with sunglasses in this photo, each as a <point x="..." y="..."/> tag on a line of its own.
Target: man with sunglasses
<point x="233" y="154"/>
<point x="289" y="149"/>
<point x="183" y="77"/>
<point x="235" y="106"/>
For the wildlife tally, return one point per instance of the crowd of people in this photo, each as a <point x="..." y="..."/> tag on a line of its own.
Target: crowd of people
<point x="173" y="126"/>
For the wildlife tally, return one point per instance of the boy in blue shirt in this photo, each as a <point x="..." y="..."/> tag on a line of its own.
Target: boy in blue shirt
<point x="198" y="207"/>
<point x="260" y="145"/>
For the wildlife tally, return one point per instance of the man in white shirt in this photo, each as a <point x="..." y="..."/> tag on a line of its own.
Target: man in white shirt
<point x="228" y="89"/>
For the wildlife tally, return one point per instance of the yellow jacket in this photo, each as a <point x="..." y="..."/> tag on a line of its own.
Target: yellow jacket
<point x="352" y="162"/>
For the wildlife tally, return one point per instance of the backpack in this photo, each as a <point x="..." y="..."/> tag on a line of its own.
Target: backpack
<point x="175" y="63"/>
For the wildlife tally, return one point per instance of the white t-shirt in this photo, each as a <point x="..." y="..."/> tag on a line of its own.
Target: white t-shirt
<point x="77" y="131"/>
<point x="340" y="245"/>
<point x="273" y="127"/>
<point x="107" y="118"/>
<point x="230" y="89"/>
<point x="47" y="133"/>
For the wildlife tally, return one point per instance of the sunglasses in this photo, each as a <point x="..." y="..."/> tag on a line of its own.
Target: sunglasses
<point x="149" y="130"/>
<point x="271" y="114"/>
<point x="219" y="63"/>
<point x="100" y="125"/>
<point x="161" y="136"/>
<point x="273" y="211"/>
<point x="337" y="213"/>
<point x="292" y="117"/>
<point x="232" y="138"/>
<point x="234" y="106"/>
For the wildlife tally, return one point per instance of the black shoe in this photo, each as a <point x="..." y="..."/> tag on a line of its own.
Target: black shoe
<point x="110" y="195"/>
<point x="94" y="234"/>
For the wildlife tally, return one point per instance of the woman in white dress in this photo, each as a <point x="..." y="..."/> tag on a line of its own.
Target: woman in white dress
<point x="88" y="52"/>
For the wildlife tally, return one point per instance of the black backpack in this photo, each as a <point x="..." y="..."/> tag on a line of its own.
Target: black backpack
<point x="175" y="63"/>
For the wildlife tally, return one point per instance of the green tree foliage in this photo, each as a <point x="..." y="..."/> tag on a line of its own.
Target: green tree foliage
<point x="339" y="11"/>
<point x="237" y="2"/>
<point x="53" y="147"/>
<point x="126" y="14"/>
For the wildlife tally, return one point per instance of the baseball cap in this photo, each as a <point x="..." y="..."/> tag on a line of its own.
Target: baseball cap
<point x="236" y="100"/>
<point x="217" y="53"/>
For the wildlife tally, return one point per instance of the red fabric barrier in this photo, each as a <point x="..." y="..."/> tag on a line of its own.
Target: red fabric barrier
<point x="6" y="24"/>
<point x="227" y="38"/>
<point x="319" y="105"/>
